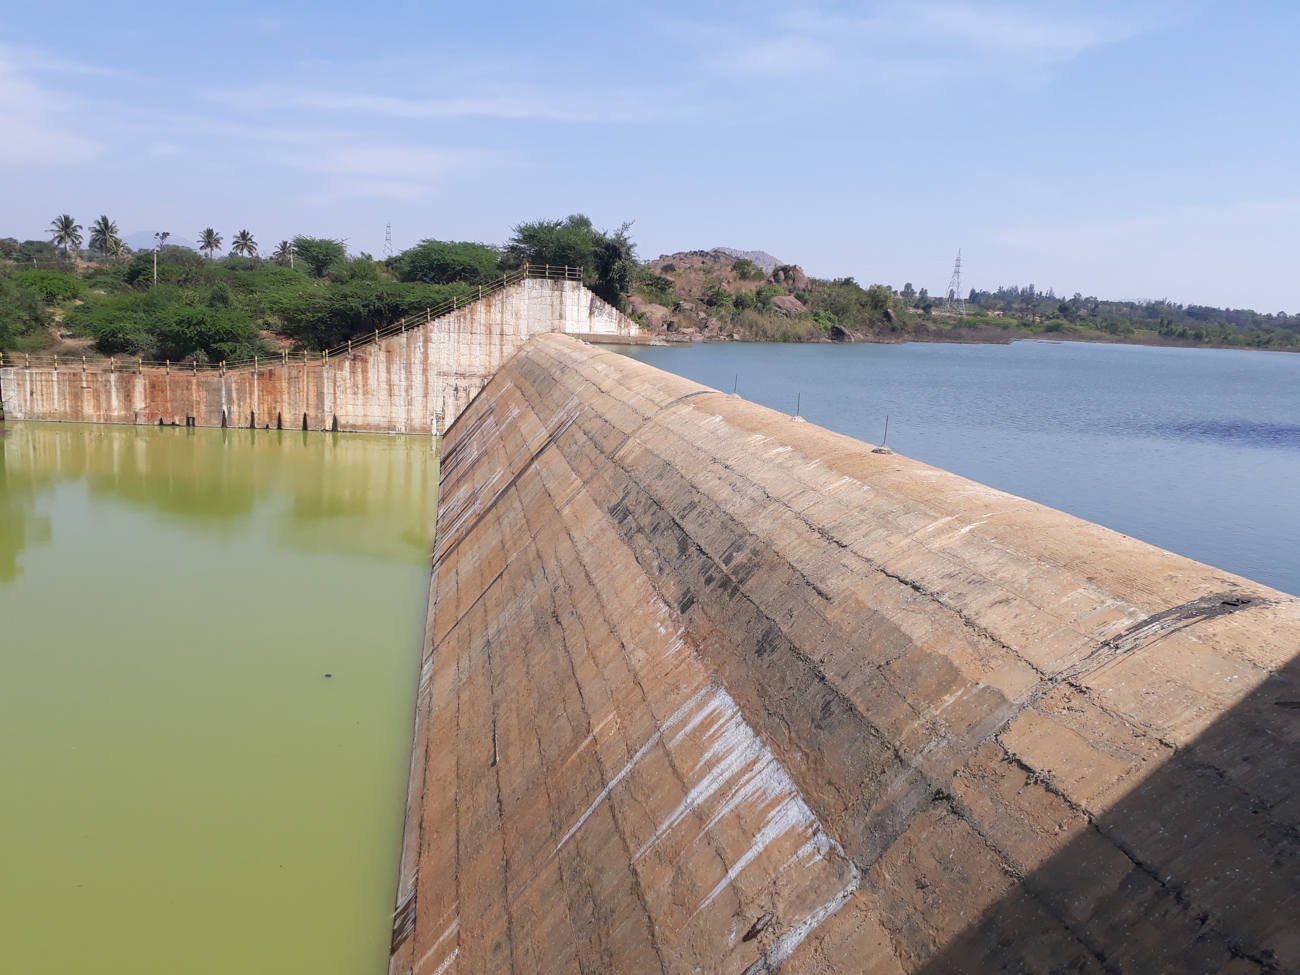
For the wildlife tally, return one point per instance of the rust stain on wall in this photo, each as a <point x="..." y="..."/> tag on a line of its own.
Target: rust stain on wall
<point x="709" y="690"/>
<point x="401" y="384"/>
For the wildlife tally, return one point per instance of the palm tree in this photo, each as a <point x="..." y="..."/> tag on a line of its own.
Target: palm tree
<point x="66" y="233"/>
<point x="104" y="238"/>
<point x="209" y="241"/>
<point x="244" y="244"/>
<point x="283" y="253"/>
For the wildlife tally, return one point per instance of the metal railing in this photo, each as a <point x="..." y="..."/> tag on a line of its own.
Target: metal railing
<point x="84" y="363"/>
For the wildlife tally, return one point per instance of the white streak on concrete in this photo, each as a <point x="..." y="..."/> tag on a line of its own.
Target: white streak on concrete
<point x="789" y="815"/>
<point x="785" y="946"/>
<point x="446" y="962"/>
<point x="450" y="930"/>
<point x="632" y="763"/>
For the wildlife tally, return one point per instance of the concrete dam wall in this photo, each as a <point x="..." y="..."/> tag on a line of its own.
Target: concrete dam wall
<point x="709" y="689"/>
<point x="412" y="382"/>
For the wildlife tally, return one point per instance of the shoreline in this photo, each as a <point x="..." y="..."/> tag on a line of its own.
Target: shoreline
<point x="665" y="341"/>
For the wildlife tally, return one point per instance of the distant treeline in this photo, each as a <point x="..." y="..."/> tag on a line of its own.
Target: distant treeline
<point x="183" y="305"/>
<point x="1124" y="319"/>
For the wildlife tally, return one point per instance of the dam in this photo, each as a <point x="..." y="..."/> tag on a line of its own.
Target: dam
<point x="708" y="688"/>
<point x="412" y="376"/>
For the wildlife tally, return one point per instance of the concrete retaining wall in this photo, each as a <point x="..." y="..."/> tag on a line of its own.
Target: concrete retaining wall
<point x="404" y="384"/>
<point x="708" y="689"/>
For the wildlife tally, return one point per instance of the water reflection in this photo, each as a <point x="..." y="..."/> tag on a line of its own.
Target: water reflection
<point x="20" y="523"/>
<point x="337" y="493"/>
<point x="176" y="770"/>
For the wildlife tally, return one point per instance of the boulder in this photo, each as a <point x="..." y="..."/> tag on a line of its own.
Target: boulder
<point x="790" y="276"/>
<point x="788" y="305"/>
<point x="656" y="316"/>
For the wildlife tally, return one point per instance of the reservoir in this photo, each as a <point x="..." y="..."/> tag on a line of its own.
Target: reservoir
<point x="1193" y="450"/>
<point x="182" y="789"/>
<point x="209" y="638"/>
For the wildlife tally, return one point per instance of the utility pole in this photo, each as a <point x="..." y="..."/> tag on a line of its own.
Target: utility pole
<point x="388" y="239"/>
<point x="161" y="236"/>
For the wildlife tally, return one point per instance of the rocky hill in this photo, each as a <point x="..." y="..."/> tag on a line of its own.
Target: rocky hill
<point x="725" y="293"/>
<point x="762" y="258"/>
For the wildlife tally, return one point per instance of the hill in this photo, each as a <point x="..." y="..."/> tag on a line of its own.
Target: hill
<point x="724" y="293"/>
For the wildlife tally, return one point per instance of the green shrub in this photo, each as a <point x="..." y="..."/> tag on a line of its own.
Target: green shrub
<point x="176" y="265"/>
<point x="22" y="311"/>
<point x="447" y="261"/>
<point x="747" y="270"/>
<point x="320" y="318"/>
<point x="52" y="286"/>
<point x="716" y="296"/>
<point x="654" y="287"/>
<point x="764" y="295"/>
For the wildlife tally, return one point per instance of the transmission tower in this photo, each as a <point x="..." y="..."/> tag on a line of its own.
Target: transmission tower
<point x="956" y="303"/>
<point x="388" y="239"/>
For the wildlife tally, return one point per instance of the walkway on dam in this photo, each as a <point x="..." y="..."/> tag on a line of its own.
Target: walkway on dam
<point x="709" y="689"/>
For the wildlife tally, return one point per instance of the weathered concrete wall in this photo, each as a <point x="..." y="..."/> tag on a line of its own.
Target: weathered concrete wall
<point x="709" y="689"/>
<point x="400" y="384"/>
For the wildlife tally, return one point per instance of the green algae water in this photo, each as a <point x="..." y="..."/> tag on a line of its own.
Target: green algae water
<point x="182" y="789"/>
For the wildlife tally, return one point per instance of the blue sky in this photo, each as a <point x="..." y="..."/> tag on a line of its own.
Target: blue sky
<point x="1139" y="150"/>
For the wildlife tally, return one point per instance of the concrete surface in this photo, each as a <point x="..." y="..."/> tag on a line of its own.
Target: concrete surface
<point x="706" y="689"/>
<point x="407" y="383"/>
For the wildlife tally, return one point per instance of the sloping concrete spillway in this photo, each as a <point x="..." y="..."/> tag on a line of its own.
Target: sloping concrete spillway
<point x="709" y="689"/>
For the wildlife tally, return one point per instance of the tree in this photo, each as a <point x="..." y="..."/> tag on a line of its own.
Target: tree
<point x="445" y="261"/>
<point x="209" y="242"/>
<point x="244" y="244"/>
<point x="607" y="258"/>
<point x="908" y="291"/>
<point x="65" y="232"/>
<point x="878" y="298"/>
<point x="318" y="253"/>
<point x="104" y="238"/>
<point x="283" y="253"/>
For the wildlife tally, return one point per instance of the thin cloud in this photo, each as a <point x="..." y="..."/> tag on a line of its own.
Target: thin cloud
<point x="914" y="42"/>
<point x="512" y="104"/>
<point x="36" y="124"/>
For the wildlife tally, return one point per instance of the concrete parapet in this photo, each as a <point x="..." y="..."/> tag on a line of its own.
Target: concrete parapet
<point x="709" y="690"/>
<point x="405" y="383"/>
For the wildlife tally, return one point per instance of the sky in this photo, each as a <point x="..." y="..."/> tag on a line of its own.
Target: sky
<point x="1126" y="150"/>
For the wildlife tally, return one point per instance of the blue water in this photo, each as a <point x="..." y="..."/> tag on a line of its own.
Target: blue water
<point x="1194" y="450"/>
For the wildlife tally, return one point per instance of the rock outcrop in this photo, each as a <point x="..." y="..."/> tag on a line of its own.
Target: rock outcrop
<point x="790" y="276"/>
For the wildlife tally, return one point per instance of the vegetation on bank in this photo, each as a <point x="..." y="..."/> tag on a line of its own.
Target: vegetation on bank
<point x="175" y="303"/>
<point x="713" y="294"/>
